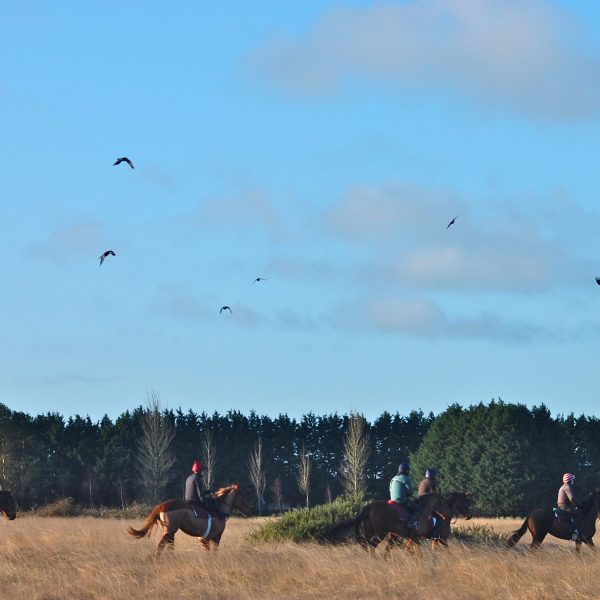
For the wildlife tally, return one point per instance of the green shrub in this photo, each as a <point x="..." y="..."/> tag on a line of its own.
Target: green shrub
<point x="477" y="534"/>
<point x="307" y="524"/>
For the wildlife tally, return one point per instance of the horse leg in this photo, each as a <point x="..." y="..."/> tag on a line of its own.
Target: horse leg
<point x="538" y="538"/>
<point x="168" y="540"/>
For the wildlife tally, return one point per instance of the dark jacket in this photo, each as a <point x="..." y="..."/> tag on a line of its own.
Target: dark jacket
<point x="194" y="490"/>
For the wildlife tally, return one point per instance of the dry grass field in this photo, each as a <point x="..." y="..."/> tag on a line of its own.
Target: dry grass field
<point x="95" y="559"/>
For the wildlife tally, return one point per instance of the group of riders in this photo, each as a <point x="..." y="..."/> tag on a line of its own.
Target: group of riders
<point x="401" y="493"/>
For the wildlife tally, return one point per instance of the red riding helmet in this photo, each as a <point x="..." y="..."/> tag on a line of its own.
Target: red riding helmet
<point x="197" y="467"/>
<point x="568" y="478"/>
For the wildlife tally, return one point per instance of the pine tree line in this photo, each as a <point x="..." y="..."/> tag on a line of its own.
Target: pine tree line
<point x="507" y="456"/>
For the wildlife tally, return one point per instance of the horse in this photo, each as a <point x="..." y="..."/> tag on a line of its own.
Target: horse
<point x="380" y="520"/>
<point x="7" y="505"/>
<point x="173" y="515"/>
<point x="459" y="505"/>
<point x="542" y="521"/>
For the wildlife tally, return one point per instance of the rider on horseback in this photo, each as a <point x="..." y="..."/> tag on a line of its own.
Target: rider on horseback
<point x="567" y="503"/>
<point x="429" y="484"/>
<point x="195" y="491"/>
<point x="401" y="490"/>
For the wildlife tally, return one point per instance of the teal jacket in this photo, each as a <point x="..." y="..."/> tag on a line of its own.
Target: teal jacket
<point x="401" y="488"/>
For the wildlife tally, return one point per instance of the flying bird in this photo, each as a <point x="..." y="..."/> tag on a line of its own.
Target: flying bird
<point x="105" y="255"/>
<point x="225" y="308"/>
<point x="123" y="159"/>
<point x="259" y="279"/>
<point x="452" y="222"/>
<point x="598" y="280"/>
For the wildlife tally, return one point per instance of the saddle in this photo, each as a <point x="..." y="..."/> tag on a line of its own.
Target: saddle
<point x="563" y="517"/>
<point x="199" y="511"/>
<point x="403" y="514"/>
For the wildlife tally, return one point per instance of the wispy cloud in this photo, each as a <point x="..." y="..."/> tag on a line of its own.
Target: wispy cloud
<point x="422" y="317"/>
<point x="82" y="238"/>
<point x="251" y="209"/>
<point x="184" y="303"/>
<point x="528" y="55"/>
<point x="499" y="247"/>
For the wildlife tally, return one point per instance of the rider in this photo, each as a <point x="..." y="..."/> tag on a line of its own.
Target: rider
<point x="429" y="484"/>
<point x="196" y="493"/>
<point x="401" y="490"/>
<point x="568" y="504"/>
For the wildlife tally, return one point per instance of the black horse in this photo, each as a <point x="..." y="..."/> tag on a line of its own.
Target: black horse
<point x="542" y="521"/>
<point x="7" y="504"/>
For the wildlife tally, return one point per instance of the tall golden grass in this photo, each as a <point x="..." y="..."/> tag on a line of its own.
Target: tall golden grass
<point x="87" y="559"/>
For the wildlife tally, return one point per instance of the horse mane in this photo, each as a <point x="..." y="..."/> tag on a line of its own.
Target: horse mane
<point x="222" y="491"/>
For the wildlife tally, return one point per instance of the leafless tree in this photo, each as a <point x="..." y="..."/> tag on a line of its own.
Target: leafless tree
<point x="208" y="452"/>
<point x="156" y="457"/>
<point x="304" y="474"/>
<point x="277" y="493"/>
<point x="356" y="454"/>
<point x="257" y="474"/>
<point x="328" y="494"/>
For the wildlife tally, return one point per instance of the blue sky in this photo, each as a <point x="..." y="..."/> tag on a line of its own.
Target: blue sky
<point x="323" y="146"/>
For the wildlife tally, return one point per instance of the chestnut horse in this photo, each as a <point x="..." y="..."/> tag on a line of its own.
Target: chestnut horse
<point x="7" y="504"/>
<point x="173" y="515"/>
<point x="541" y="522"/>
<point x="380" y="520"/>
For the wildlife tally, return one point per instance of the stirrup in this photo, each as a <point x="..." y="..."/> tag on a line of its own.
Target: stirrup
<point x="575" y="536"/>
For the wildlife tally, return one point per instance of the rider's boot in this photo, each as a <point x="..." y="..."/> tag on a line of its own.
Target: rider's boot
<point x="575" y="536"/>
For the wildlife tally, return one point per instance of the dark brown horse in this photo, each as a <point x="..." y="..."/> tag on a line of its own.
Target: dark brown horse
<point x="541" y="521"/>
<point x="459" y="505"/>
<point x="7" y="504"/>
<point x="380" y="520"/>
<point x="173" y="515"/>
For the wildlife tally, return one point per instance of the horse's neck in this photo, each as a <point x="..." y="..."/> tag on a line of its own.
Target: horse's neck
<point x="592" y="511"/>
<point x="227" y="500"/>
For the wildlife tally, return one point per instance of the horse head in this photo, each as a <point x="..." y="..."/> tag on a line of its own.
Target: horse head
<point x="460" y="504"/>
<point x="7" y="505"/>
<point x="233" y="497"/>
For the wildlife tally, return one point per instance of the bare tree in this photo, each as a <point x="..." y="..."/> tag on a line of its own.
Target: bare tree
<point x="304" y="474"/>
<point x="328" y="494"/>
<point x="155" y="449"/>
<point x="277" y="493"/>
<point x="208" y="452"/>
<point x="356" y="454"/>
<point x="257" y="474"/>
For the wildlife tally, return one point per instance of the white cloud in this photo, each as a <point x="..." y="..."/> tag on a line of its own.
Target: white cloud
<point x="493" y="246"/>
<point x="422" y="317"/>
<point x="524" y="54"/>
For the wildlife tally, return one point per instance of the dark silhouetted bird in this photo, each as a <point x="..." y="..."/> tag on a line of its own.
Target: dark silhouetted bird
<point x="258" y="279"/>
<point x="452" y="222"/>
<point x="598" y="280"/>
<point x="106" y="255"/>
<point x="225" y="308"/>
<point x="123" y="159"/>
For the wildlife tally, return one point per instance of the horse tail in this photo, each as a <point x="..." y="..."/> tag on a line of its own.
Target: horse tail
<point x="516" y="535"/>
<point x="355" y="522"/>
<point x="146" y="529"/>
